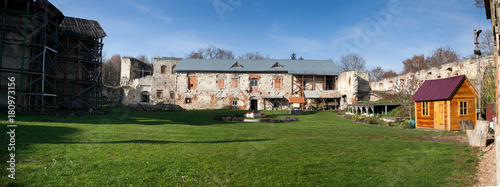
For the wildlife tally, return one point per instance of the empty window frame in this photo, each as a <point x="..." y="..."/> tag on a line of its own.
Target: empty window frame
<point x="145" y="97"/>
<point x="159" y="94"/>
<point x="163" y="69"/>
<point x="172" y="94"/>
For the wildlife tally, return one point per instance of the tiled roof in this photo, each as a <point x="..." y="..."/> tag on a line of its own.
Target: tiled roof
<point x="295" y="67"/>
<point x="438" y="89"/>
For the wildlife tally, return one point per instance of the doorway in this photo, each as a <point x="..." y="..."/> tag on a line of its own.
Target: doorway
<point x="254" y="104"/>
<point x="439" y="115"/>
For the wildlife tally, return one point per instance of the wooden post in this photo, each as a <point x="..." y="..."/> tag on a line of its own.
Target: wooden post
<point x="497" y="150"/>
<point x="324" y="82"/>
<point x="314" y="82"/>
<point x="385" y="109"/>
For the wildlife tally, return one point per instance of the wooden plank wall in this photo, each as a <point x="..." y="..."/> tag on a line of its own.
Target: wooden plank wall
<point x="464" y="93"/>
<point x="426" y="122"/>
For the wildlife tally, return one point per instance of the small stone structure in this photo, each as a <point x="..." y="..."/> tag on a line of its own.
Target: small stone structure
<point x="148" y="84"/>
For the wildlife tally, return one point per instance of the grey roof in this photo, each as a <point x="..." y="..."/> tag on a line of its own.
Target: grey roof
<point x="295" y="67"/>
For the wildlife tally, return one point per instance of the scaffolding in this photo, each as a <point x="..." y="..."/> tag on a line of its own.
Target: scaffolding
<point x="28" y="38"/>
<point x="79" y="75"/>
<point x="55" y="60"/>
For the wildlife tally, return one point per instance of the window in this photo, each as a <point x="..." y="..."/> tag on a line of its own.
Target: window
<point x="463" y="108"/>
<point x="145" y="97"/>
<point x="234" y="83"/>
<point x="188" y="100"/>
<point x="234" y="102"/>
<point x="221" y="83"/>
<point x="163" y="69"/>
<point x="173" y="69"/>
<point x="254" y="82"/>
<point x="277" y="83"/>
<point x="172" y="95"/>
<point x="425" y="108"/>
<point x="192" y="83"/>
<point x="159" y="93"/>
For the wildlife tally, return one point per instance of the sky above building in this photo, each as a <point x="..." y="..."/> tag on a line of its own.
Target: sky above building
<point x="384" y="32"/>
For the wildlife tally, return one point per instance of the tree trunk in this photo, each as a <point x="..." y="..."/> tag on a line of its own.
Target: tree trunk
<point x="478" y="136"/>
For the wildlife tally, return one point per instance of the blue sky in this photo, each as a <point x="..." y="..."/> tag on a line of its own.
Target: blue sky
<point x="384" y="32"/>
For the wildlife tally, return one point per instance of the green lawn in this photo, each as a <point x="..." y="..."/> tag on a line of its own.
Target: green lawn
<point x="139" y="148"/>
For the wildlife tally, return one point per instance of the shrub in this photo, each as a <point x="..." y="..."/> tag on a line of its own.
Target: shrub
<point x="227" y="118"/>
<point x="276" y="120"/>
<point x="238" y="118"/>
<point x="371" y="121"/>
<point x="218" y="118"/>
<point x="287" y="119"/>
<point x="265" y="120"/>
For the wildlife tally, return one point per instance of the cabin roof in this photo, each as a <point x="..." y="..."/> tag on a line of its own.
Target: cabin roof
<point x="438" y="89"/>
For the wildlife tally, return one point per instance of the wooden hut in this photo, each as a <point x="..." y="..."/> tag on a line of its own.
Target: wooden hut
<point x="442" y="103"/>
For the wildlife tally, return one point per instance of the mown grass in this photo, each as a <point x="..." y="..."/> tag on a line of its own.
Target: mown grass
<point x="138" y="148"/>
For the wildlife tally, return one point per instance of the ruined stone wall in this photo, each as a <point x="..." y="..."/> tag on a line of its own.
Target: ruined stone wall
<point x="211" y="93"/>
<point x="159" y="88"/>
<point x="132" y="68"/>
<point x="466" y="67"/>
<point x="354" y="86"/>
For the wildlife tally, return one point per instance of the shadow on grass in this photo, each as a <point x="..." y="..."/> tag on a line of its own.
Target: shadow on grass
<point x="124" y="116"/>
<point x="169" y="142"/>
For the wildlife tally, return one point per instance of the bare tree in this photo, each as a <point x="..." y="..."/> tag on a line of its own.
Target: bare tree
<point x="376" y="73"/>
<point x="403" y="90"/>
<point x="143" y="58"/>
<point x="442" y="55"/>
<point x="415" y="63"/>
<point x="252" y="55"/>
<point x="486" y="42"/>
<point x="211" y="52"/>
<point x="111" y="71"/>
<point x="351" y="62"/>
<point x="389" y="74"/>
<point x="479" y="3"/>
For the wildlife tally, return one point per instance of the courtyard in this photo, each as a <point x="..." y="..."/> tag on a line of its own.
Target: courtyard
<point x="148" y="148"/>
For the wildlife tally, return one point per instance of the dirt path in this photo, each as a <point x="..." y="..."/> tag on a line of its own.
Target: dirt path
<point x="486" y="173"/>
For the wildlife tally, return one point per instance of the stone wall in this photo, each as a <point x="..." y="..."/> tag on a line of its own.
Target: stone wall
<point x="156" y="88"/>
<point x="354" y="86"/>
<point x="218" y="91"/>
<point x="466" y="67"/>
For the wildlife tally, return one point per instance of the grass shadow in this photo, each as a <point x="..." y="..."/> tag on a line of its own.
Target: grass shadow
<point x="169" y="142"/>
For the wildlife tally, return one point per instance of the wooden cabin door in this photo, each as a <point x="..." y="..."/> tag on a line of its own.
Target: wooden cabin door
<point x="439" y="115"/>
